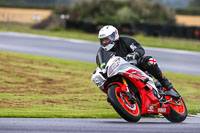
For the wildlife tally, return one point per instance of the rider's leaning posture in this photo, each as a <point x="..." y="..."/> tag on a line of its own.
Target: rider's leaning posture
<point x="132" y="50"/>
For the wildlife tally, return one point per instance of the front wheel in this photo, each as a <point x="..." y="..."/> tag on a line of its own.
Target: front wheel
<point x="178" y="110"/>
<point x="119" y="101"/>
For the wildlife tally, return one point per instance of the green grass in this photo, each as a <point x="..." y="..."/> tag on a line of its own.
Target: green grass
<point x="171" y="43"/>
<point x="161" y="42"/>
<point x="38" y="86"/>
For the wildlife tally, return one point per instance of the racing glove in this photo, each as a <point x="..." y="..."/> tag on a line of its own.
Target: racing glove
<point x="132" y="56"/>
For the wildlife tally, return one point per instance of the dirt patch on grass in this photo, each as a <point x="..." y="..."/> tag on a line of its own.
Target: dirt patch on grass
<point x="25" y="77"/>
<point x="19" y="102"/>
<point x="22" y="103"/>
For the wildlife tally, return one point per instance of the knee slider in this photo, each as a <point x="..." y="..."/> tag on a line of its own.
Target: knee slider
<point x="151" y="62"/>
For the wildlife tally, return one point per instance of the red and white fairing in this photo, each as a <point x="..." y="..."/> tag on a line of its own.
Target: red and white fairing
<point x="118" y="66"/>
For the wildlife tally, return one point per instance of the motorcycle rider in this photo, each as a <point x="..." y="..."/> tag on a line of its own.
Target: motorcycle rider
<point x="132" y="50"/>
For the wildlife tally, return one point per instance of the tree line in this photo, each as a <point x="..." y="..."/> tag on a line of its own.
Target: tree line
<point x="120" y="11"/>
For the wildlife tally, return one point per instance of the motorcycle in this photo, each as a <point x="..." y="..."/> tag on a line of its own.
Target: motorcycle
<point x="133" y="93"/>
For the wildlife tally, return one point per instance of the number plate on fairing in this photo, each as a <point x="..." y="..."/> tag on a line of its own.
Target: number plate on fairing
<point x="162" y="110"/>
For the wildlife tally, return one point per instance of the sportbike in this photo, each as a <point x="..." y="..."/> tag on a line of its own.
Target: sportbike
<point x="133" y="93"/>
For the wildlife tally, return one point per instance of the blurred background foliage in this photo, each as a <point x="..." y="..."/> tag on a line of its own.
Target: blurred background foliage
<point x="121" y="11"/>
<point x="195" y="3"/>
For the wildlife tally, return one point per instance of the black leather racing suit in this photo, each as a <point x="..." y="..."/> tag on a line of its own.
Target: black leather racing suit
<point x="125" y="46"/>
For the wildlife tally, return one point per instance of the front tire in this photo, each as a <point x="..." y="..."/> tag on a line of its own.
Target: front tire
<point x="128" y="111"/>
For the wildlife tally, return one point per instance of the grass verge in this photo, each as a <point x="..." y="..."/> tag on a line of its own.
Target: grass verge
<point x="161" y="42"/>
<point x="38" y="86"/>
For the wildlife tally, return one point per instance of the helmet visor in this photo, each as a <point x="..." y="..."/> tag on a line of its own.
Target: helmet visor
<point x="107" y="40"/>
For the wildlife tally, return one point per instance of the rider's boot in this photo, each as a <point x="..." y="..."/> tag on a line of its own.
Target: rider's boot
<point x="166" y="84"/>
<point x="169" y="88"/>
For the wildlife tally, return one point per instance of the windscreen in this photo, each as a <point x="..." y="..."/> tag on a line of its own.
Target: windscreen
<point x="103" y="57"/>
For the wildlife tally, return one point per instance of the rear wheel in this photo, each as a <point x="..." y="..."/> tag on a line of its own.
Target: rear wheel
<point x="178" y="110"/>
<point x="119" y="101"/>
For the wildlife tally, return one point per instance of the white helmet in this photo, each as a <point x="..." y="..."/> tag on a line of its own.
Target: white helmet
<point x="108" y="35"/>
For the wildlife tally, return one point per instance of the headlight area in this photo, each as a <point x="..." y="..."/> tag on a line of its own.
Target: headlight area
<point x="98" y="79"/>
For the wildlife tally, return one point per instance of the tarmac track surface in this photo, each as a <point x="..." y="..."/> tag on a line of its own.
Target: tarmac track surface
<point x="55" y="125"/>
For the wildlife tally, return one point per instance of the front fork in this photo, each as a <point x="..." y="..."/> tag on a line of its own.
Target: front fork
<point x="126" y="90"/>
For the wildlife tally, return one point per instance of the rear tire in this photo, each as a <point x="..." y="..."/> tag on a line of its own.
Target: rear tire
<point x="128" y="111"/>
<point x="177" y="113"/>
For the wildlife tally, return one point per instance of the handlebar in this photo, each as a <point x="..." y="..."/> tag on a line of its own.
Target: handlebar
<point x="134" y="62"/>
